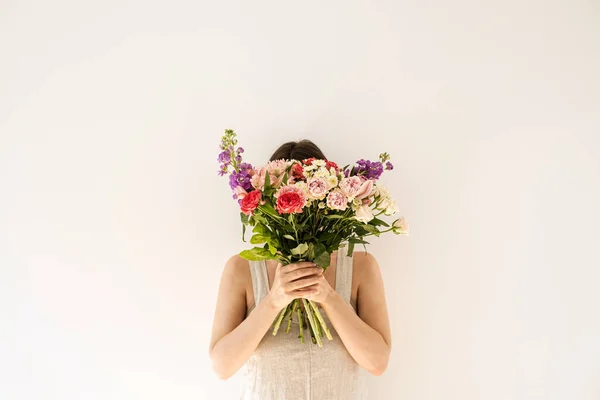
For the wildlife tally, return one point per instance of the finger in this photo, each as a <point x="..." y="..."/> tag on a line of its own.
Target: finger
<point x="304" y="292"/>
<point x="295" y="266"/>
<point x="301" y="273"/>
<point x="304" y="282"/>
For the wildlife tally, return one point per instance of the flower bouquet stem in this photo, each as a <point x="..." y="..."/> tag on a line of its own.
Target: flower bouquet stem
<point x="316" y="322"/>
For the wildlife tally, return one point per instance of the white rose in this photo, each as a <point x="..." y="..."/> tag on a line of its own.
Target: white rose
<point x="364" y="214"/>
<point x="391" y="208"/>
<point x="401" y="226"/>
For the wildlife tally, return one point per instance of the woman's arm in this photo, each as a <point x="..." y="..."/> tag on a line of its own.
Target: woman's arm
<point x="234" y="337"/>
<point x="367" y="335"/>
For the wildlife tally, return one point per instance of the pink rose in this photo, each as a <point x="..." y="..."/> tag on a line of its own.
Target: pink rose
<point x="317" y="188"/>
<point x="290" y="199"/>
<point x="250" y="202"/>
<point x="351" y="186"/>
<point x="336" y="200"/>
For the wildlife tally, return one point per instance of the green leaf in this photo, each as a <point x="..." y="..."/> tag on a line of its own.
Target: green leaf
<point x="272" y="249"/>
<point x="350" y="248"/>
<point x="257" y="239"/>
<point x="267" y="181"/>
<point x="322" y="257"/>
<point x="378" y="222"/>
<point x="357" y="240"/>
<point x="300" y="249"/>
<point x="256" y="254"/>
<point x="289" y="237"/>
<point x="243" y="232"/>
<point x="262" y="229"/>
<point x="261" y="219"/>
<point x="269" y="210"/>
<point x="370" y="229"/>
<point x="334" y="216"/>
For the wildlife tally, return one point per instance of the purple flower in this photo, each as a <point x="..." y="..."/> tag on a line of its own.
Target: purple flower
<point x="369" y="169"/>
<point x="240" y="149"/>
<point x="238" y="158"/>
<point x="241" y="178"/>
<point x="222" y="172"/>
<point x="224" y="157"/>
<point x="389" y="166"/>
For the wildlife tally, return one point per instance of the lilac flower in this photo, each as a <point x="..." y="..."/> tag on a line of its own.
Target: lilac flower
<point x="224" y="157"/>
<point x="241" y="178"/>
<point x="389" y="166"/>
<point x="369" y="169"/>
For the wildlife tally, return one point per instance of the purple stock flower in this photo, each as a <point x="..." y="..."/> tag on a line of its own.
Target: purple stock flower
<point x="224" y="157"/>
<point x="369" y="169"/>
<point x="241" y="178"/>
<point x="389" y="166"/>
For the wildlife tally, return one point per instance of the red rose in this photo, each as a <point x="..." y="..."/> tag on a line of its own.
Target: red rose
<point x="330" y="164"/>
<point x="250" y="202"/>
<point x="298" y="172"/>
<point x="290" y="199"/>
<point x="309" y="161"/>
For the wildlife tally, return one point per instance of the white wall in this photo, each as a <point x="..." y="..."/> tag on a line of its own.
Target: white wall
<point x="114" y="226"/>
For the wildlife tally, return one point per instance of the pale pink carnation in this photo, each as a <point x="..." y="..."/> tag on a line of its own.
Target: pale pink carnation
<point x="336" y="200"/>
<point x="317" y="188"/>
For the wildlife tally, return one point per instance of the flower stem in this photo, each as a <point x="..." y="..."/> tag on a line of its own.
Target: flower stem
<point x="313" y="324"/>
<point x="289" y="325"/>
<point x="279" y="319"/>
<point x="301" y="336"/>
<point x="321" y="320"/>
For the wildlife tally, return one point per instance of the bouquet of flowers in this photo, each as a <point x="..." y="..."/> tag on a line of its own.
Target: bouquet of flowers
<point x="302" y="210"/>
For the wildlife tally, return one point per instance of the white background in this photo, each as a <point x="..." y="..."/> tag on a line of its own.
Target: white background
<point x="114" y="226"/>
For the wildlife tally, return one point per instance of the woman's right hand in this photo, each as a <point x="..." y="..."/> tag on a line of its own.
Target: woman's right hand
<point x="293" y="281"/>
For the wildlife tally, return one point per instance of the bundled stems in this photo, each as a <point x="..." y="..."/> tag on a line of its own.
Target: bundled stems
<point x="316" y="324"/>
<point x="321" y="320"/>
<point x="313" y="324"/>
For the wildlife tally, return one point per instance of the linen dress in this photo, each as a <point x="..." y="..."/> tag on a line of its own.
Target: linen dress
<point x="283" y="368"/>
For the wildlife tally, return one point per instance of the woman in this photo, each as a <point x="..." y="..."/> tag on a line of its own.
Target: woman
<point x="251" y="295"/>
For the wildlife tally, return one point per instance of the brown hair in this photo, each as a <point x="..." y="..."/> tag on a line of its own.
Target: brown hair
<point x="298" y="151"/>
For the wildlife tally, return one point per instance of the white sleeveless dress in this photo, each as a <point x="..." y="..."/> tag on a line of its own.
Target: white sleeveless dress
<point x="282" y="368"/>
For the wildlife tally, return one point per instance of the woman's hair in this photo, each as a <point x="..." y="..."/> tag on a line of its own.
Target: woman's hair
<point x="298" y="151"/>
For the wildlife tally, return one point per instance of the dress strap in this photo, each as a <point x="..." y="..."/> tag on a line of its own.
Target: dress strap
<point x="343" y="273"/>
<point x="260" y="280"/>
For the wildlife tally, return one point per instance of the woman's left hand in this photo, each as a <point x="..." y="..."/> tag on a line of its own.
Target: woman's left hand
<point x="324" y="291"/>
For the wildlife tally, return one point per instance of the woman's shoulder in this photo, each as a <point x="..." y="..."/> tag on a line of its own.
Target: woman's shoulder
<point x="364" y="264"/>
<point x="237" y="269"/>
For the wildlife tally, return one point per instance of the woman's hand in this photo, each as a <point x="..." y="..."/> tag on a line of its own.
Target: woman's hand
<point x="320" y="292"/>
<point x="293" y="281"/>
